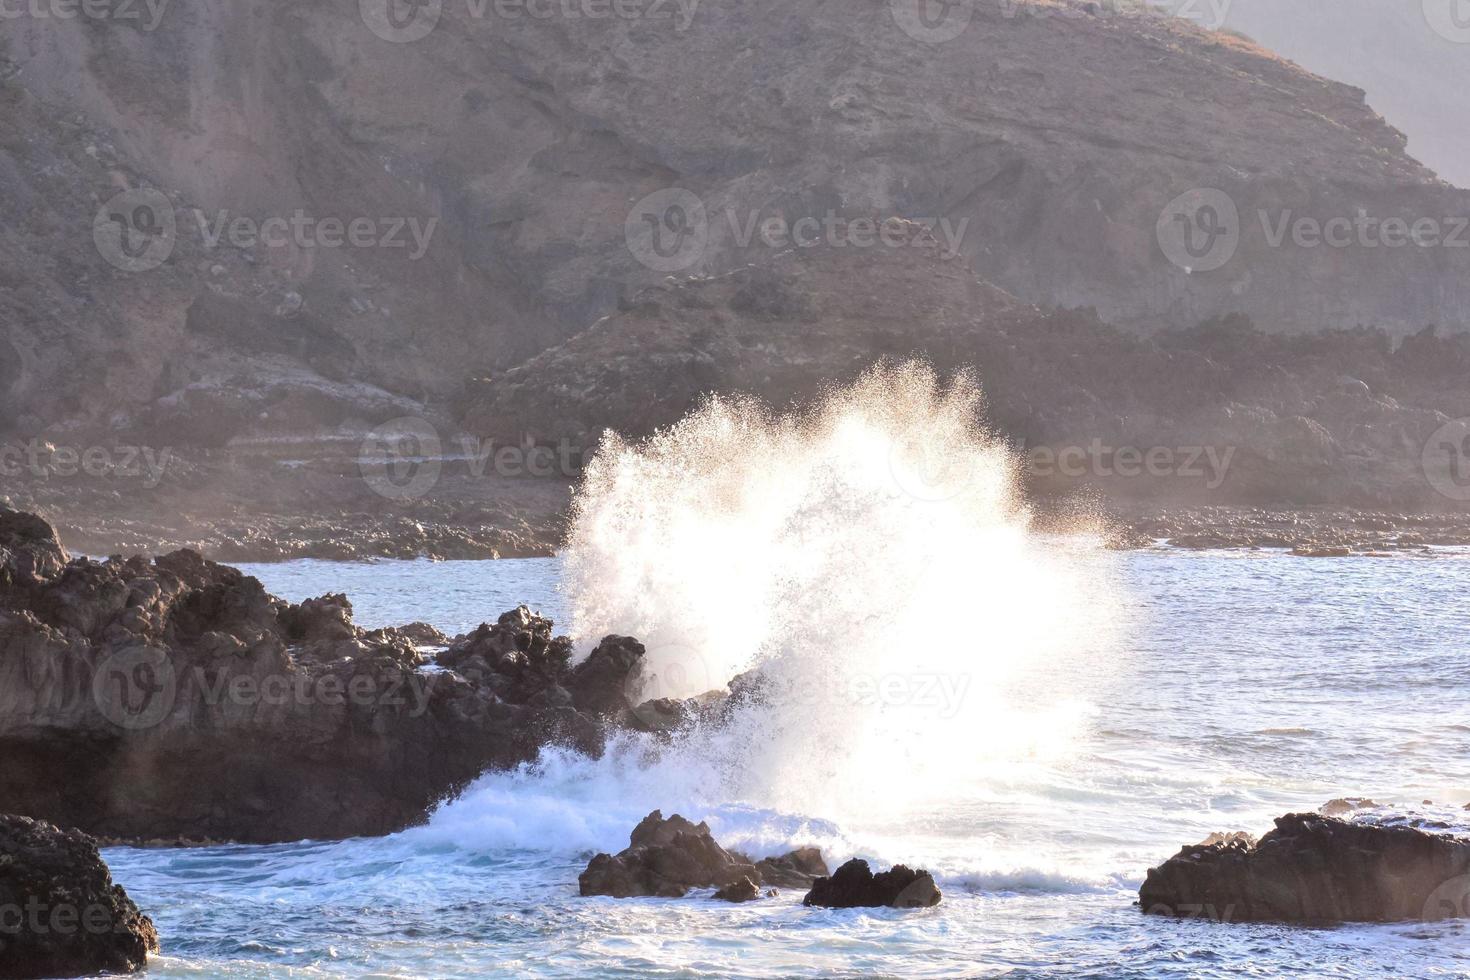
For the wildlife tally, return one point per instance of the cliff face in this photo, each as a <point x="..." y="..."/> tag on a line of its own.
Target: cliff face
<point x="1045" y="138"/>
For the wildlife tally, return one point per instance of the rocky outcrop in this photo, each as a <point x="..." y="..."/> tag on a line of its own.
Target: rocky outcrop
<point x="60" y="913"/>
<point x="854" y="885"/>
<point x="184" y="702"/>
<point x="665" y="859"/>
<point x="1316" y="869"/>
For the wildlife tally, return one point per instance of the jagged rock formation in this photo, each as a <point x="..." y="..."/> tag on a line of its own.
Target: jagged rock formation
<point x="184" y="702"/>
<point x="1316" y="869"/>
<point x="854" y="885"/>
<point x="63" y="916"/>
<point x="665" y="858"/>
<point x="1049" y="134"/>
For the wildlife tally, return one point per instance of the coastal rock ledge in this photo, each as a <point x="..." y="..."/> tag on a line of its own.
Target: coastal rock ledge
<point x="60" y="913"/>
<point x="184" y="703"/>
<point x="1319" y="870"/>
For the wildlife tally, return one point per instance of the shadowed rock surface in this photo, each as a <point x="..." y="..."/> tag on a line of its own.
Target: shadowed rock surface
<point x="1316" y="869"/>
<point x="63" y="915"/>
<point x="665" y="859"/>
<point x="797" y="869"/>
<point x="854" y="885"/>
<point x="182" y="701"/>
<point x="1244" y="417"/>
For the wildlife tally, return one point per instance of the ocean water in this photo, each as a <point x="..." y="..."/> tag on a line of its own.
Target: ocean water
<point x="1034" y="718"/>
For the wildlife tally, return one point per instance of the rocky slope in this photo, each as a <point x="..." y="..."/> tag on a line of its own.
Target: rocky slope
<point x="1240" y="416"/>
<point x="185" y="703"/>
<point x="1048" y="134"/>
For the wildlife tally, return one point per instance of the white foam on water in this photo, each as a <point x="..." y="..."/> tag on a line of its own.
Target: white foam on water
<point x="872" y="558"/>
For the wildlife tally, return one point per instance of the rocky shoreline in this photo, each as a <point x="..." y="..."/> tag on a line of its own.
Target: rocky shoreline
<point x="94" y="522"/>
<point x="186" y="703"/>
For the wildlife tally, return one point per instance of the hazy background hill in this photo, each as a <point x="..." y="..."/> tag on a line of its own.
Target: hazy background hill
<point x="1049" y="135"/>
<point x="1414" y="76"/>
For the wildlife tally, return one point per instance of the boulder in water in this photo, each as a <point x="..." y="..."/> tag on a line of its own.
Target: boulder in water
<point x="1316" y="869"/>
<point x="856" y="886"/>
<point x="60" y="913"/>
<point x="798" y="869"/>
<point x="743" y="890"/>
<point x="664" y="859"/>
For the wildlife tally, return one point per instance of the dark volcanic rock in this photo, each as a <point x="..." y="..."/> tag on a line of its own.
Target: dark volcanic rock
<point x="1316" y="869"/>
<point x="855" y="886"/>
<point x="664" y="859"/>
<point x="182" y="701"/>
<point x="798" y="869"/>
<point x="60" y="913"/>
<point x="743" y="890"/>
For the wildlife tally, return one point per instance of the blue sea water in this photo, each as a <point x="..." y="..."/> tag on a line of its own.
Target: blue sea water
<point x="1242" y="686"/>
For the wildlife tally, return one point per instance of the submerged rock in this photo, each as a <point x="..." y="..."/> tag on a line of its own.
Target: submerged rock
<point x="665" y="859"/>
<point x="856" y="886"/>
<point x="744" y="890"/>
<point x="1316" y="869"/>
<point x="183" y="701"/>
<point x="60" y="913"/>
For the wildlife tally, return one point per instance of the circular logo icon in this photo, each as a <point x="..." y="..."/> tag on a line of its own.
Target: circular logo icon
<point x="1446" y="460"/>
<point x="927" y="471"/>
<point x="670" y="671"/>
<point x="668" y="230"/>
<point x="932" y="21"/>
<point x="1200" y="230"/>
<point x="136" y="230"/>
<point x="401" y="21"/>
<point x="401" y="459"/>
<point x="1449" y="901"/>
<point x="1449" y="18"/>
<point x="135" y="688"/>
